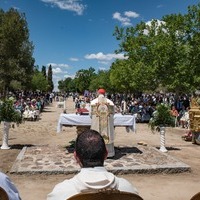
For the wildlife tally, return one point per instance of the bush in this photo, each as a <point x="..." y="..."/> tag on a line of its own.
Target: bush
<point x="161" y="117"/>
<point x="8" y="112"/>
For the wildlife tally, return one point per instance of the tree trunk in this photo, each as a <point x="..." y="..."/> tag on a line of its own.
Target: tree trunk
<point x="6" y="127"/>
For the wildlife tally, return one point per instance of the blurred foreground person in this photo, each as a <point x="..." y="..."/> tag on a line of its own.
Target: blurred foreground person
<point x="90" y="153"/>
<point x="9" y="187"/>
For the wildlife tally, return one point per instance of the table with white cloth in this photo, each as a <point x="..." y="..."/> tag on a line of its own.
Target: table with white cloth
<point x="127" y="121"/>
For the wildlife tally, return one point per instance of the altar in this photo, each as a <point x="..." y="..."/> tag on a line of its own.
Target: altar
<point x="127" y="121"/>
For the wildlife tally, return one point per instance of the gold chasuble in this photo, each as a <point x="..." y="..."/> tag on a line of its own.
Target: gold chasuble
<point x="102" y="114"/>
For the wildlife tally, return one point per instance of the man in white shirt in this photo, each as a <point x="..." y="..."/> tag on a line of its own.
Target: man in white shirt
<point x="90" y="153"/>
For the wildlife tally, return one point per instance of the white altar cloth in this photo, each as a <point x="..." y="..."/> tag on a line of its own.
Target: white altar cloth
<point x="127" y="121"/>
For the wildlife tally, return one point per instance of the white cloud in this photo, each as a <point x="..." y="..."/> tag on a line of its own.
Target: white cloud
<point x="159" y="23"/>
<point x="102" y="68"/>
<point x="71" y="5"/>
<point x="56" y="70"/>
<point x="16" y="8"/>
<point x="104" y="57"/>
<point x="125" y="20"/>
<point x="74" y="59"/>
<point x="58" y="65"/>
<point x="59" y="73"/>
<point x="56" y="77"/>
<point x="69" y="76"/>
<point x="131" y="14"/>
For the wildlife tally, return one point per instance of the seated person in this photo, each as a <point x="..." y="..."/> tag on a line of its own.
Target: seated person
<point x="175" y="114"/>
<point x="184" y="120"/>
<point x="90" y="153"/>
<point x="9" y="187"/>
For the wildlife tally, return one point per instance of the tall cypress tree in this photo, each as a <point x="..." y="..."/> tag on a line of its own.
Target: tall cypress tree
<point x="44" y="71"/>
<point x="50" y="79"/>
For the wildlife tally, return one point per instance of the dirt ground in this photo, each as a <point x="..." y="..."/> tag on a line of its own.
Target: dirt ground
<point x="180" y="186"/>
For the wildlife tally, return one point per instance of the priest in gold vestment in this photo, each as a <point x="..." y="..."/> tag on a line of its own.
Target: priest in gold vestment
<point x="102" y="115"/>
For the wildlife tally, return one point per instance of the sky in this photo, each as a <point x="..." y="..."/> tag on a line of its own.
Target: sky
<point x="78" y="34"/>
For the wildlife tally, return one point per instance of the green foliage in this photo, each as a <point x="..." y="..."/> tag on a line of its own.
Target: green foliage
<point x="44" y="71"/>
<point x="50" y="79"/>
<point x="101" y="80"/>
<point x="8" y="113"/>
<point x="161" y="117"/>
<point x="39" y="82"/>
<point x="83" y="78"/>
<point x="16" y="85"/>
<point x="163" y="54"/>
<point x="86" y="79"/>
<point x="121" y="76"/>
<point x="67" y="85"/>
<point x="16" y="63"/>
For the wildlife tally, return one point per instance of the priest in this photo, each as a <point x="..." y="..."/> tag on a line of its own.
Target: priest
<point x="102" y="115"/>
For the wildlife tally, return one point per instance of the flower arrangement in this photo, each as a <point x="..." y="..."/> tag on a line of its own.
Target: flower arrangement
<point x="161" y="117"/>
<point x="8" y="112"/>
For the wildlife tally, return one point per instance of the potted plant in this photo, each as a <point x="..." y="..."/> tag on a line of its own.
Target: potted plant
<point x="8" y="114"/>
<point x="160" y="120"/>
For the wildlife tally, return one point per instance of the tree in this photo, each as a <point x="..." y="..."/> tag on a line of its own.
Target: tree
<point x="121" y="76"/>
<point x="83" y="78"/>
<point x="193" y="37"/>
<point x="162" y="53"/>
<point x="68" y="85"/>
<point x="39" y="82"/>
<point x="180" y="70"/>
<point x="50" y="78"/>
<point x="44" y="71"/>
<point x="139" y="69"/>
<point x="101" y="80"/>
<point x="16" y="61"/>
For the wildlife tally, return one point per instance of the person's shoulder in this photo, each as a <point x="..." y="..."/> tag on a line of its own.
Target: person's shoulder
<point x="3" y="176"/>
<point x="125" y="185"/>
<point x="63" y="190"/>
<point x="66" y="183"/>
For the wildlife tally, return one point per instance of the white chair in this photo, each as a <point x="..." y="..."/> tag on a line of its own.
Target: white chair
<point x="60" y="104"/>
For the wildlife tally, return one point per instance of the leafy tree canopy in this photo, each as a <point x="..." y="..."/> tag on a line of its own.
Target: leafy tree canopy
<point x="16" y="61"/>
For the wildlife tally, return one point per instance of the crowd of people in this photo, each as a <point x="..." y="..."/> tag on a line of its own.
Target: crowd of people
<point x="30" y="104"/>
<point x="142" y="106"/>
